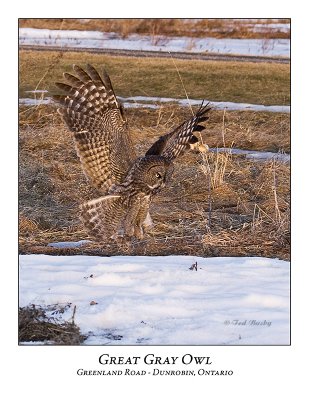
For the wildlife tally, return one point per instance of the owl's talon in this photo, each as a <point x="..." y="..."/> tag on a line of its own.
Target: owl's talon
<point x="139" y="232"/>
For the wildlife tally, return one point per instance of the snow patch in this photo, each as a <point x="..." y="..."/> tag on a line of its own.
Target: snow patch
<point x="254" y="154"/>
<point x="152" y="102"/>
<point x="69" y="245"/>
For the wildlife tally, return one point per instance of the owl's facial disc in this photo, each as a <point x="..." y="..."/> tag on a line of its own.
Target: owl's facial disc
<point x="156" y="177"/>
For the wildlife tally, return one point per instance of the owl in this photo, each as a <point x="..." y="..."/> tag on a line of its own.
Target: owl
<point x="128" y="183"/>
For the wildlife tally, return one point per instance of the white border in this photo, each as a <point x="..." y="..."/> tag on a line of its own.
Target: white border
<point x="259" y="372"/>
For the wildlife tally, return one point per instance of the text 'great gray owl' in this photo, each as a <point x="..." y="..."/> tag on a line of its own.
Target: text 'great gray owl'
<point x="128" y="183"/>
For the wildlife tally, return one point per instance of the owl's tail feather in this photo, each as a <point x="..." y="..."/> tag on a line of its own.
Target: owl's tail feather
<point x="103" y="217"/>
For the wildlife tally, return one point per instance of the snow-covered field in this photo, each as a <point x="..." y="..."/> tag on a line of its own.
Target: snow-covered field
<point x="106" y="40"/>
<point x="160" y="300"/>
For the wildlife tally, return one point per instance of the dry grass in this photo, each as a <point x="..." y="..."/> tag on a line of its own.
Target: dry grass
<point x="262" y="83"/>
<point x="242" y="129"/>
<point x="42" y="324"/>
<point x="216" y="204"/>
<point x="159" y="28"/>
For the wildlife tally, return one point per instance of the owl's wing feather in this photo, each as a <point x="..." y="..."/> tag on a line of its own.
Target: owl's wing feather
<point x="103" y="217"/>
<point x="95" y="116"/>
<point x="173" y="143"/>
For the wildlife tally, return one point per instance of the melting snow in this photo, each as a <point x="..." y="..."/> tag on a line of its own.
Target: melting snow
<point x="255" y="154"/>
<point x="150" y="102"/>
<point x="68" y="245"/>
<point x="220" y="105"/>
<point x="159" y="300"/>
<point x="107" y="40"/>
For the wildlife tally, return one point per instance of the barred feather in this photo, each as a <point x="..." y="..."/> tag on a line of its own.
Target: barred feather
<point x="103" y="217"/>
<point x="174" y="143"/>
<point x="93" y="113"/>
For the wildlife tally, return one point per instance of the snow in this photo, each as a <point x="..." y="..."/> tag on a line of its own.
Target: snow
<point x="219" y="105"/>
<point x="68" y="245"/>
<point x="281" y="27"/>
<point x="110" y="40"/>
<point x="37" y="91"/>
<point x="254" y="154"/>
<point x="35" y="102"/>
<point x="160" y="300"/>
<point x="151" y="102"/>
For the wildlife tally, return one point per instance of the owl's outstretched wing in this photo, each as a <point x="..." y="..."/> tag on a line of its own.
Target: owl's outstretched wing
<point x="103" y="217"/>
<point x="174" y="143"/>
<point x="95" y="116"/>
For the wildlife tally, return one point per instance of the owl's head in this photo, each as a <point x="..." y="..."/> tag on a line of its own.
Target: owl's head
<point x="151" y="173"/>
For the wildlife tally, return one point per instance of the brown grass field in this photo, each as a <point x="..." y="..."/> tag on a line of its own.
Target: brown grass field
<point x="215" y="204"/>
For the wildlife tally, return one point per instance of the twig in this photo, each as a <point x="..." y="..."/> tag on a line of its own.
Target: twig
<point x="209" y="201"/>
<point x="182" y="83"/>
<point x="277" y="210"/>
<point x="223" y="128"/>
<point x="73" y="315"/>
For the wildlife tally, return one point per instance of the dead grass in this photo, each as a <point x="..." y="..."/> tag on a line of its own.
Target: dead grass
<point x="242" y="129"/>
<point x="215" y="205"/>
<point x="159" y="28"/>
<point x="262" y="83"/>
<point x="42" y="324"/>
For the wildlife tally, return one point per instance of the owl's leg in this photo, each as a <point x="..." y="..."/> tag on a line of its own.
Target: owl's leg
<point x="136" y="217"/>
<point x="131" y="219"/>
<point x="143" y="221"/>
<point x="142" y="225"/>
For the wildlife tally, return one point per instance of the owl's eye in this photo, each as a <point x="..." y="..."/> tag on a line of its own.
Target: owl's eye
<point x="159" y="176"/>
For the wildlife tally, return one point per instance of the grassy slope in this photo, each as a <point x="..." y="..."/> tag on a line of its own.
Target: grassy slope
<point x="262" y="83"/>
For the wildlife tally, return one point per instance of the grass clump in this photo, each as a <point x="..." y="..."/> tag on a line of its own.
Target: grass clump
<point x="35" y="325"/>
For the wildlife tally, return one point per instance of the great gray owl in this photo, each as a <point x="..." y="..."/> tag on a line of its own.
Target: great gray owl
<point x="96" y="117"/>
